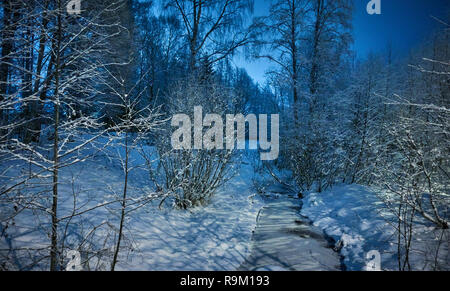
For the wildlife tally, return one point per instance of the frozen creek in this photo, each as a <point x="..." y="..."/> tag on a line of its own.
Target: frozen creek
<point x="285" y="240"/>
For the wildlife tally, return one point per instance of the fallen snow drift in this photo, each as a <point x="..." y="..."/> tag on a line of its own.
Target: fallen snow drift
<point x="355" y="216"/>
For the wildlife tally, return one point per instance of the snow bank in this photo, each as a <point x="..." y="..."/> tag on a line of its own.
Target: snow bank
<point x="355" y="216"/>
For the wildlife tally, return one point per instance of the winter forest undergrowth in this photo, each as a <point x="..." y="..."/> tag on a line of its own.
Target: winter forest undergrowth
<point x="89" y="178"/>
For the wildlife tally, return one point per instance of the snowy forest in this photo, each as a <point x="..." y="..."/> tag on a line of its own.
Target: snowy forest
<point x="89" y="179"/>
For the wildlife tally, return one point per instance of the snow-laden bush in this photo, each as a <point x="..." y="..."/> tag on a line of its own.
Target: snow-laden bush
<point x="415" y="160"/>
<point x="189" y="176"/>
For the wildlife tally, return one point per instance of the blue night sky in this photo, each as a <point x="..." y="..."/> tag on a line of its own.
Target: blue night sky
<point x="403" y="23"/>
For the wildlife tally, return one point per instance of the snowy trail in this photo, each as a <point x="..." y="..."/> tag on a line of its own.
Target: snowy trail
<point x="284" y="240"/>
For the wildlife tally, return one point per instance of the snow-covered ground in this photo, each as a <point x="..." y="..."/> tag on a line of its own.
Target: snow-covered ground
<point x="355" y="216"/>
<point x="215" y="237"/>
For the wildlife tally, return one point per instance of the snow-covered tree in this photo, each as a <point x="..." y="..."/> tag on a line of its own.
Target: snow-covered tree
<point x="53" y="104"/>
